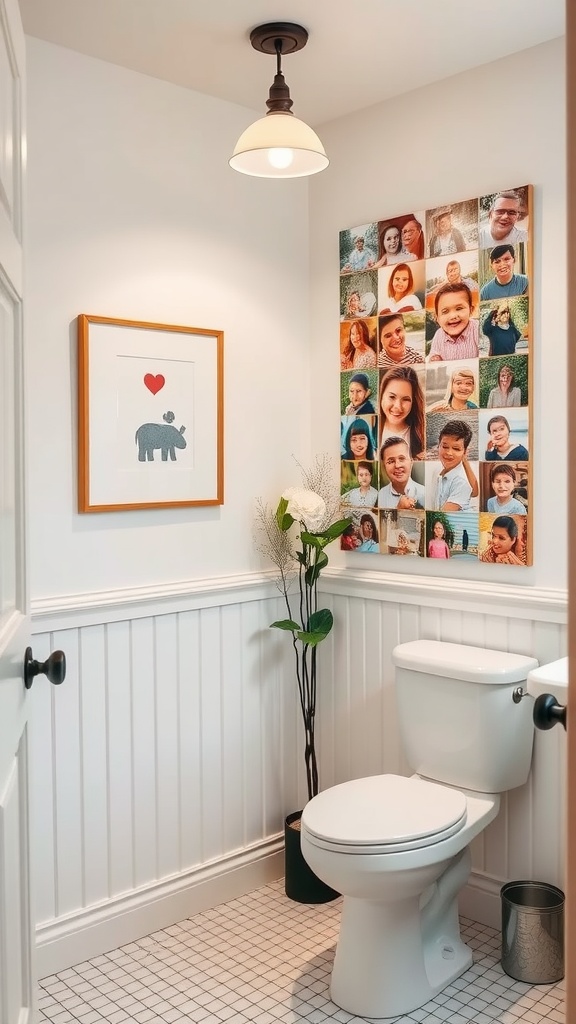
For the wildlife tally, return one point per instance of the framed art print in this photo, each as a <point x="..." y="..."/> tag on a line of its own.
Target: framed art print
<point x="150" y="415"/>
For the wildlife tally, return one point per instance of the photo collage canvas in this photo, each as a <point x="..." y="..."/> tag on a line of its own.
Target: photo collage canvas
<point x="435" y="381"/>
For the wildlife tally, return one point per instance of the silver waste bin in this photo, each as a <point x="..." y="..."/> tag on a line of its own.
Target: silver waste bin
<point x="533" y="932"/>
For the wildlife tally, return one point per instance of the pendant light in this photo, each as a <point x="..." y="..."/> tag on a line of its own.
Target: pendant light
<point x="279" y="145"/>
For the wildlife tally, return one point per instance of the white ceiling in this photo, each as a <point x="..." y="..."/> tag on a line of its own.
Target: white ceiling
<point x="359" y="52"/>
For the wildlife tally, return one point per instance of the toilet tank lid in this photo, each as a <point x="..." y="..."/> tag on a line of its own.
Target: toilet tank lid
<point x="458" y="661"/>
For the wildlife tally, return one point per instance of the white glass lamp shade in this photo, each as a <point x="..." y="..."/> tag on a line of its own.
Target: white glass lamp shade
<point x="279" y="145"/>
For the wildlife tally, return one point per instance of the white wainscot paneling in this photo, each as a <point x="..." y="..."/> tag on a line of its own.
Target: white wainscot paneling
<point x="373" y="613"/>
<point x="160" y="777"/>
<point x="164" y="765"/>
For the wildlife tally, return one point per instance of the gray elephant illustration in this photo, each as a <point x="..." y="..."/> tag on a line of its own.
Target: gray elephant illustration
<point x="159" y="435"/>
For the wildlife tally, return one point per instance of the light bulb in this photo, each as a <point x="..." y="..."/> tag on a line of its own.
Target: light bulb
<point x="280" y="158"/>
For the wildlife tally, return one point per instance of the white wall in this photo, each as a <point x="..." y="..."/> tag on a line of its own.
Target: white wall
<point x="495" y="127"/>
<point x="134" y="213"/>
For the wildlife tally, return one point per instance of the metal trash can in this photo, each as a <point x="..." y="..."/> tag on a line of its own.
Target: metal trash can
<point x="533" y="932"/>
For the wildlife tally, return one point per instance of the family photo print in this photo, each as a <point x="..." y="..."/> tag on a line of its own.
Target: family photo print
<point x="436" y="358"/>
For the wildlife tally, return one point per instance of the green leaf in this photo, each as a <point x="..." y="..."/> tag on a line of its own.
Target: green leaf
<point x="283" y="519"/>
<point x="315" y="540"/>
<point x="337" y="529"/>
<point x="287" y="624"/>
<point x="314" y="570"/>
<point x="311" y="638"/>
<point x="319" y="625"/>
<point x="320" y="540"/>
<point x="321" y="621"/>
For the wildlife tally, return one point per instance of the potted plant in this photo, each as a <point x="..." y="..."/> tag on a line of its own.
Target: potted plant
<point x="295" y="537"/>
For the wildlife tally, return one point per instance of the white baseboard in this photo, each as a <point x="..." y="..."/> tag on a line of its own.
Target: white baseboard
<point x="480" y="900"/>
<point x="87" y="933"/>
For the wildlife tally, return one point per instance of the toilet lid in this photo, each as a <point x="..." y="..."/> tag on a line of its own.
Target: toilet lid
<point x="385" y="810"/>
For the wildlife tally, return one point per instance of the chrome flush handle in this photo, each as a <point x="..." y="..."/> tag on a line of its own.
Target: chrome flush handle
<point x="547" y="712"/>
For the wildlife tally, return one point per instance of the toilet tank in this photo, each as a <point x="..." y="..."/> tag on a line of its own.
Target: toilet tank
<point x="458" y="722"/>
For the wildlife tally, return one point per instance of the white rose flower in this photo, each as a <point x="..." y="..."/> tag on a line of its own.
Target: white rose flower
<point x="306" y="507"/>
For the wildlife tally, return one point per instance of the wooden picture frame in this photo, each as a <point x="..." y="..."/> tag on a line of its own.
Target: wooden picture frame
<point x="150" y="415"/>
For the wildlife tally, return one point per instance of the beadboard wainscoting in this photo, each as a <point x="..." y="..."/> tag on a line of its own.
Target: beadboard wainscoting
<point x="163" y="767"/>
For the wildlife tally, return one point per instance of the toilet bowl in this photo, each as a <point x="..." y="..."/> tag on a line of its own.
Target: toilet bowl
<point x="390" y="844"/>
<point x="397" y="848"/>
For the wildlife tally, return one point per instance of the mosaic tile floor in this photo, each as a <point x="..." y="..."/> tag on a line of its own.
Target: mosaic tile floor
<point x="262" y="958"/>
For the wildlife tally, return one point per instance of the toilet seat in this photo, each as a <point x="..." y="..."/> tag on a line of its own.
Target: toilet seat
<point x="384" y="814"/>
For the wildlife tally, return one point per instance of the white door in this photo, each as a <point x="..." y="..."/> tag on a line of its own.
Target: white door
<point x="16" y="939"/>
<point x="571" y="831"/>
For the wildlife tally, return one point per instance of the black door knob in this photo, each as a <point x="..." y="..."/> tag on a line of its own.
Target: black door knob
<point x="54" y="667"/>
<point x="547" y="712"/>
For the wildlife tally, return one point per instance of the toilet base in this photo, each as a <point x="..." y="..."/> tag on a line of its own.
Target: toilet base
<point x="392" y="958"/>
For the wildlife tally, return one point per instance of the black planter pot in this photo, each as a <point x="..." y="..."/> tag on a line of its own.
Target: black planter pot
<point x="300" y="882"/>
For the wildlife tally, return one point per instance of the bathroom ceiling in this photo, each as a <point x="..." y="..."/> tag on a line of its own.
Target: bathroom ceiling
<point x="360" y="52"/>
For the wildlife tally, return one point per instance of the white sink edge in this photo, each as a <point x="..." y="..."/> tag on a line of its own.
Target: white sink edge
<point x="551" y="678"/>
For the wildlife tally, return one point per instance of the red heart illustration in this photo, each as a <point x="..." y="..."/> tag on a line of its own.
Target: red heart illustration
<point x="154" y="383"/>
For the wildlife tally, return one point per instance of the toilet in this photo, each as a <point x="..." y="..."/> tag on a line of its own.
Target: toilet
<point x="397" y="848"/>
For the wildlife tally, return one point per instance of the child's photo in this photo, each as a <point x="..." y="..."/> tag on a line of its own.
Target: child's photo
<point x="437" y="536"/>
<point x="504" y="488"/>
<point x="359" y="393"/>
<point x="503" y="271"/>
<point x="358" y="295"/>
<point x="504" y="382"/>
<point x="401" y="478"/>
<point x="358" y="437"/>
<point x="452" y="387"/>
<point x="504" y="326"/>
<point x="452" y="229"/>
<point x="437" y="421"/>
<point x="350" y="539"/>
<point x="368" y="533"/>
<point x="401" y="288"/>
<point x="358" y="344"/>
<point x="402" y="533"/>
<point x="452" y="482"/>
<point x="452" y="535"/>
<point x="452" y="330"/>
<point x="401" y="338"/>
<point x="503" y="435"/>
<point x="358" y="248"/>
<point x="462" y="269"/>
<point x="503" y="539"/>
<point x="359" y="487"/>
